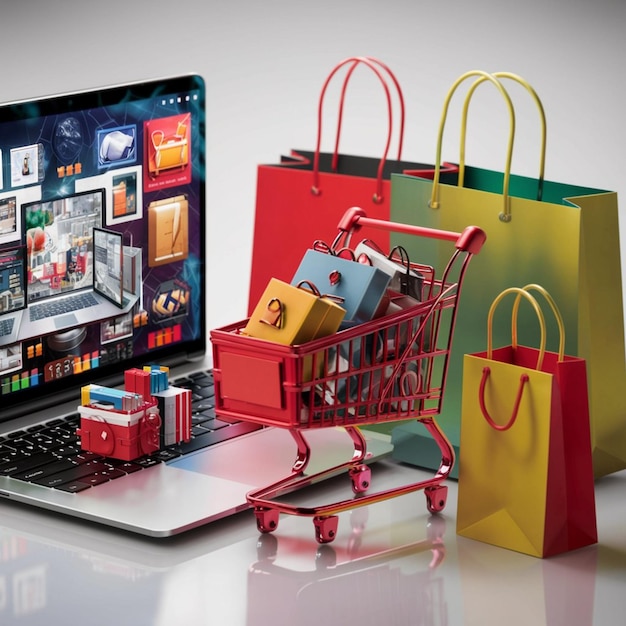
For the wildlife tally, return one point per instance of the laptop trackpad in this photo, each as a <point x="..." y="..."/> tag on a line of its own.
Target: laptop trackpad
<point x="65" y="321"/>
<point x="268" y="455"/>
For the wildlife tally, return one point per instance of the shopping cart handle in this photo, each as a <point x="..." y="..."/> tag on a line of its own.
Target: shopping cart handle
<point x="470" y="240"/>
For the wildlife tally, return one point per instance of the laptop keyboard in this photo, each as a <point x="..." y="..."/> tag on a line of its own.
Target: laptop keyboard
<point x="6" y="327"/>
<point x="64" y="305"/>
<point x="49" y="454"/>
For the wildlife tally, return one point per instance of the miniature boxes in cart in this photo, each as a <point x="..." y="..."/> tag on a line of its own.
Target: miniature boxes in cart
<point x="144" y="417"/>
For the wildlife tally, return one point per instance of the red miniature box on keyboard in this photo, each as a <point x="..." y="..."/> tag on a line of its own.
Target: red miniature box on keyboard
<point x="145" y="416"/>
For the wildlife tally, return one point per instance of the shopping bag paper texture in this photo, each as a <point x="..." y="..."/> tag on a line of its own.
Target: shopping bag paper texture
<point x="528" y="488"/>
<point x="359" y="287"/>
<point x="563" y="236"/>
<point x="568" y="242"/>
<point x="292" y="315"/>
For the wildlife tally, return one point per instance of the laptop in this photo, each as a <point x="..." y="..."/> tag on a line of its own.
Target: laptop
<point x="102" y="198"/>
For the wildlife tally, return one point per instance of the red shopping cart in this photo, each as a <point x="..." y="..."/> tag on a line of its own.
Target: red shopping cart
<point x="388" y="369"/>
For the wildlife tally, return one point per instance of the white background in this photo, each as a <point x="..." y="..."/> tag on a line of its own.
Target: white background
<point x="265" y="62"/>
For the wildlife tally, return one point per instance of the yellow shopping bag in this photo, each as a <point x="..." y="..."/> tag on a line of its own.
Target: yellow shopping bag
<point x="564" y="236"/>
<point x="525" y="466"/>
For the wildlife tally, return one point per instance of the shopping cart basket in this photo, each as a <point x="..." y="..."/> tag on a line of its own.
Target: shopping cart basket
<point x="388" y="369"/>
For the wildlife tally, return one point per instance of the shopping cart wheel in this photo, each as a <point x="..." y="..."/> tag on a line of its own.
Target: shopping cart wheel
<point x="436" y="498"/>
<point x="266" y="519"/>
<point x="325" y="528"/>
<point x="361" y="476"/>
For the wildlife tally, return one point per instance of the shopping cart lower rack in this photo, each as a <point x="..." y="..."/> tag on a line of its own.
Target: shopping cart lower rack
<point x="391" y="368"/>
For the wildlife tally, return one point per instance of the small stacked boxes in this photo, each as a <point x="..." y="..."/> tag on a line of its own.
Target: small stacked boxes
<point x="138" y="420"/>
<point x="174" y="406"/>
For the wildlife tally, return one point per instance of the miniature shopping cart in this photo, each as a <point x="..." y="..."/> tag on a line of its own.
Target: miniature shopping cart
<point x="388" y="369"/>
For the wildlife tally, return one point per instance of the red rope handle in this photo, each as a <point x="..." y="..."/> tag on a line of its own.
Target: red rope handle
<point x="343" y="97"/>
<point x="483" y="407"/>
<point x="315" y="189"/>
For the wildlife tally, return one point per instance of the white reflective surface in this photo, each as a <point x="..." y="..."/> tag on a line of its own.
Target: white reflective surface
<point x="391" y="563"/>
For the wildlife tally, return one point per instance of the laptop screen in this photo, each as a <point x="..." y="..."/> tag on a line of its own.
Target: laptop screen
<point x="59" y="243"/>
<point x="100" y="192"/>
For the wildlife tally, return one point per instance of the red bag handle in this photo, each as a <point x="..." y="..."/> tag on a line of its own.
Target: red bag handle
<point x="374" y="65"/>
<point x="342" y="101"/>
<point x="523" y="379"/>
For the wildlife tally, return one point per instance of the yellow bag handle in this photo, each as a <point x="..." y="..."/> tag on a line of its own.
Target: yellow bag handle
<point x="555" y="310"/>
<point x="542" y="322"/>
<point x="524" y="378"/>
<point x="542" y="118"/>
<point x="434" y="200"/>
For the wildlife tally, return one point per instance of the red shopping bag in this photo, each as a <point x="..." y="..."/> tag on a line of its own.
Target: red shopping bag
<point x="303" y="197"/>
